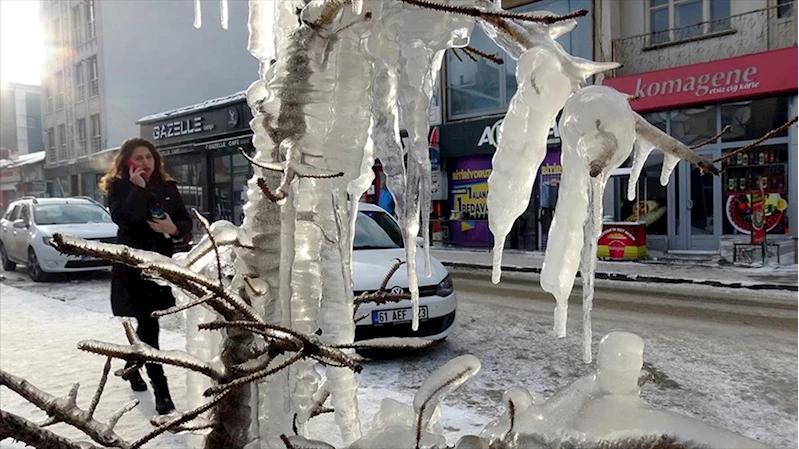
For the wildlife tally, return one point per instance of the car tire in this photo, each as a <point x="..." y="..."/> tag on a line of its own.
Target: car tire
<point x="34" y="268"/>
<point x="8" y="265"/>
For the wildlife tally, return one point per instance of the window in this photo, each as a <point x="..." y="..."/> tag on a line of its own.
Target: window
<point x="56" y="31"/>
<point x="482" y="87"/>
<point x="80" y="89"/>
<point x="75" y="213"/>
<point x="48" y="96"/>
<point x="676" y="20"/>
<point x="13" y="213"/>
<point x="90" y="29"/>
<point x="50" y="142"/>
<point x="94" y="81"/>
<point x="62" y="143"/>
<point x="59" y="90"/>
<point x="77" y="25"/>
<point x="97" y="139"/>
<point x="81" y="129"/>
<point x="785" y="8"/>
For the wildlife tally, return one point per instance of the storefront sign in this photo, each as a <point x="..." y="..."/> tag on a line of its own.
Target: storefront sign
<point x="176" y="151"/>
<point x="469" y="188"/>
<point x="228" y="143"/>
<point x="181" y="128"/>
<point x="490" y="135"/>
<point x="758" y="235"/>
<point x="622" y="241"/>
<point x="716" y="81"/>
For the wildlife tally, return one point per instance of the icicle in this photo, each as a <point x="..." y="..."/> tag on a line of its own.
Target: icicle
<point x="640" y="154"/>
<point x="522" y="145"/>
<point x="591" y="231"/>
<point x="198" y="14"/>
<point x="669" y="164"/>
<point x="223" y="13"/>
<point x="597" y="130"/>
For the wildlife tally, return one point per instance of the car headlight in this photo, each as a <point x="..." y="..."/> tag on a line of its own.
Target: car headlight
<point x="445" y="287"/>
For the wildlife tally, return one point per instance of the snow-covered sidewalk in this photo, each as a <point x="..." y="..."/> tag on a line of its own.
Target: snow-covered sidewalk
<point x="38" y="341"/>
<point x="782" y="277"/>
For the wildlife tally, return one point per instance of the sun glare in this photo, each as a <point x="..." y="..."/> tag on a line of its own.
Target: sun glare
<point x="21" y="49"/>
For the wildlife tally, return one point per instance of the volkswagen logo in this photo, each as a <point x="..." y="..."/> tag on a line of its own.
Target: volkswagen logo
<point x="396" y="290"/>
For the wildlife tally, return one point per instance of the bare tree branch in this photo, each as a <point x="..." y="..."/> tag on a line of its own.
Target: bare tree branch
<point x="177" y="309"/>
<point x="479" y="13"/>
<point x="63" y="410"/>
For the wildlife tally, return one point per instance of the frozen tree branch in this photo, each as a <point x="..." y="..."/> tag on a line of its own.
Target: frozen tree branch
<point x="28" y="432"/>
<point x="757" y="142"/>
<point x="100" y="386"/>
<point x="65" y="410"/>
<point x="155" y="264"/>
<point x="207" y="228"/>
<point x="185" y="417"/>
<point x="138" y="351"/>
<point x="712" y="139"/>
<point x="485" y="15"/>
<point x="493" y="58"/>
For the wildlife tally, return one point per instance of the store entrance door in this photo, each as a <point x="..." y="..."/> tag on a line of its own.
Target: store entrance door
<point x="699" y="208"/>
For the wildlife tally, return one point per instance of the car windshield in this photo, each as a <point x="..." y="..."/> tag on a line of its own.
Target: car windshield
<point x="376" y="230"/>
<point x="65" y="213"/>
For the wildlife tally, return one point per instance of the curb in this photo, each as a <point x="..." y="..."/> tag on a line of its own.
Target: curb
<point x="619" y="277"/>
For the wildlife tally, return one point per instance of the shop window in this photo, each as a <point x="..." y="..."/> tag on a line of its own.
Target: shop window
<point x="785" y="9"/>
<point x="752" y="119"/>
<point x="693" y="125"/>
<point x="649" y="206"/>
<point x="230" y="174"/>
<point x="743" y="174"/>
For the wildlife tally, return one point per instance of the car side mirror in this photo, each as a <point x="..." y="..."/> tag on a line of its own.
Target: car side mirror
<point x="20" y="224"/>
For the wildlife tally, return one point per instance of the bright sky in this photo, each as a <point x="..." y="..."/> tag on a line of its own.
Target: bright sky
<point x="21" y="50"/>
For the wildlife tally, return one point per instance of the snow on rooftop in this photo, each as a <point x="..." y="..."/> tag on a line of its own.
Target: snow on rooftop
<point x="197" y="107"/>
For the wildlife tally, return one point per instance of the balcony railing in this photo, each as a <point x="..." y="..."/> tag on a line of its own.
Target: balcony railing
<point x="742" y="34"/>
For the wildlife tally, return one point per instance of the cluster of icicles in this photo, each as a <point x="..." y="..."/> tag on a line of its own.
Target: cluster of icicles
<point x="336" y="80"/>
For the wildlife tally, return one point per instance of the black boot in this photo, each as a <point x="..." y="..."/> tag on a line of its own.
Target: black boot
<point x="163" y="401"/>
<point x="136" y="382"/>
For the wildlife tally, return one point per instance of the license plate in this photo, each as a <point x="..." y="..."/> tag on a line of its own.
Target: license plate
<point x="397" y="315"/>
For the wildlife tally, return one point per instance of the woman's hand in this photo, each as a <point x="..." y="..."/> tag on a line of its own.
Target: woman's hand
<point x="136" y="176"/>
<point x="165" y="226"/>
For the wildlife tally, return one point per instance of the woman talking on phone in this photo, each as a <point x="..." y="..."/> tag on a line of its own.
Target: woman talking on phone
<point x="146" y="205"/>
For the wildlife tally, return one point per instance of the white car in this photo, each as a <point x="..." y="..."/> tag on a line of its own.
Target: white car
<point x="378" y="244"/>
<point x="29" y="222"/>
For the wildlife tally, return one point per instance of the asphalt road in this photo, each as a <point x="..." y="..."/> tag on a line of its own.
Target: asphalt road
<point x="725" y="356"/>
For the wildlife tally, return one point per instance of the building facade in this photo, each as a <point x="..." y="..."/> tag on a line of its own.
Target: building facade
<point x="110" y="62"/>
<point x="697" y="66"/>
<point x="20" y="139"/>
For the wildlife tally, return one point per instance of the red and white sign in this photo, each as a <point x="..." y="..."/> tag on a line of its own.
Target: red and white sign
<point x="725" y="80"/>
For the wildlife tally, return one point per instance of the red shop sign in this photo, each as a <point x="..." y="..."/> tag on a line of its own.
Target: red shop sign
<point x="725" y="80"/>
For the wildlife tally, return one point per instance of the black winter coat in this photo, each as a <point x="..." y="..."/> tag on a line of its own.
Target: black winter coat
<point x="131" y="294"/>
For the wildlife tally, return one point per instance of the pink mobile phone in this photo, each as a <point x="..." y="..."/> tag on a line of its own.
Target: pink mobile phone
<point x="131" y="164"/>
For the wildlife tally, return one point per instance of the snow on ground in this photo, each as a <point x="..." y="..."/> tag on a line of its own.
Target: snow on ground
<point x="739" y="377"/>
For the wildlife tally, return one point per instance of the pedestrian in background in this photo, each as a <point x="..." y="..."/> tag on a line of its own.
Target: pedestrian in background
<point x="146" y="205"/>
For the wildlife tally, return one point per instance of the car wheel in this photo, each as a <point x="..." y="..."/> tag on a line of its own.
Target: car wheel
<point x="8" y="265"/>
<point x="34" y="269"/>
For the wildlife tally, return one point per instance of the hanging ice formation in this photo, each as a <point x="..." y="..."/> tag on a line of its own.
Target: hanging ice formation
<point x="336" y="78"/>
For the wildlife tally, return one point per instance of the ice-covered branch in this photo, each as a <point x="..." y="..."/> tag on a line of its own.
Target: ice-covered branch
<point x="65" y="410"/>
<point x="757" y="142"/>
<point x="139" y="351"/>
<point x="207" y="228"/>
<point x="185" y="417"/>
<point x="100" y="386"/>
<point x="28" y="432"/>
<point x="154" y="264"/>
<point x="485" y="15"/>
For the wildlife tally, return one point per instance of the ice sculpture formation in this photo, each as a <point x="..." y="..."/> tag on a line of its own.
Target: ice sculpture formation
<point x="336" y="78"/>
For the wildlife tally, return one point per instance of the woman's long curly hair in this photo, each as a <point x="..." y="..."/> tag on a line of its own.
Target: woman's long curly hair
<point x="119" y="170"/>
